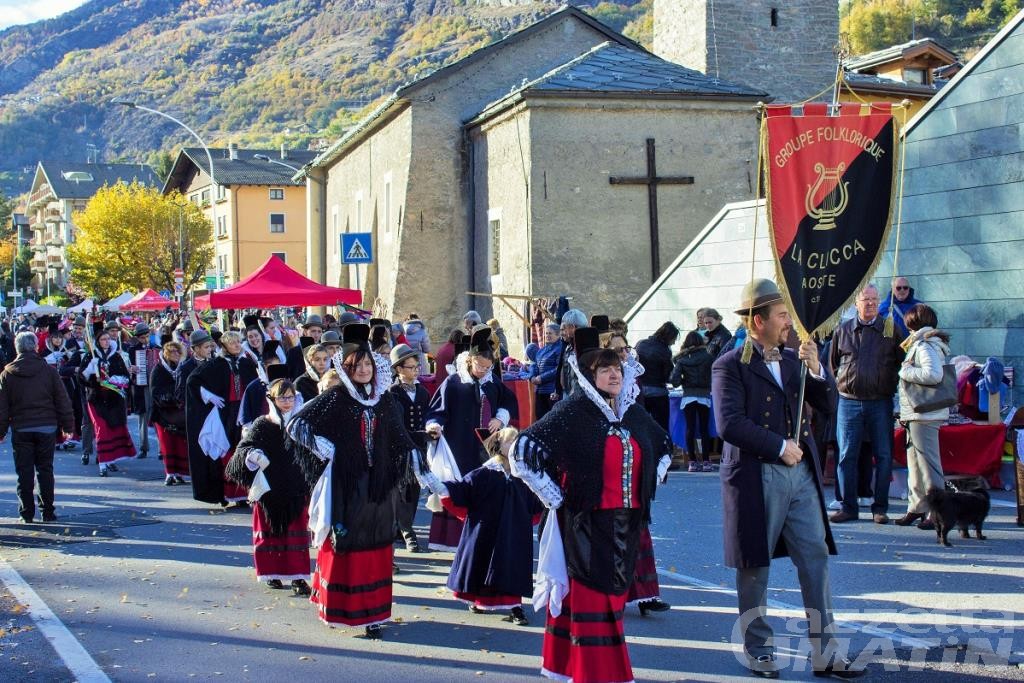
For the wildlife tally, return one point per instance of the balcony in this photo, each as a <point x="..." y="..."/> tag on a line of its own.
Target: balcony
<point x="38" y="265"/>
<point x="55" y="242"/>
<point x="55" y="260"/>
<point x="44" y="193"/>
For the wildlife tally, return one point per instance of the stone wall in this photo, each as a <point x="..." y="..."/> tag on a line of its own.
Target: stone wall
<point x="591" y="239"/>
<point x="962" y="243"/>
<point x="735" y="40"/>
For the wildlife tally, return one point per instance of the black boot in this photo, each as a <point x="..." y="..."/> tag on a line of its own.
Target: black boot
<point x="652" y="605"/>
<point x="374" y="632"/>
<point x="300" y="587"/>
<point x="275" y="583"/>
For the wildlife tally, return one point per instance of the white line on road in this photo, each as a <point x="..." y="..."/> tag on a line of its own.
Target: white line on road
<point x="75" y="658"/>
<point x="905" y="641"/>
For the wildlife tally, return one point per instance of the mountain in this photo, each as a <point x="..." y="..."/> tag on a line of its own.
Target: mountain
<point x="255" y="72"/>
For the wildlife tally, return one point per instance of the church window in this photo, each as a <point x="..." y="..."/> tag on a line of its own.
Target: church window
<point x="494" y="242"/>
<point x="775" y="17"/>
<point x="277" y="222"/>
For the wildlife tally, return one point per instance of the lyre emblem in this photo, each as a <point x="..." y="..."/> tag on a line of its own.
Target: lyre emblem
<point x="834" y="203"/>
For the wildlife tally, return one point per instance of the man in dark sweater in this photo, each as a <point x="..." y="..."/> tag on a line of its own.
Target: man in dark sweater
<point x="33" y="404"/>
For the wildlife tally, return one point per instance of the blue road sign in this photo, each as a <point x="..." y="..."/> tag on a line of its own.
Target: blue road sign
<point x="165" y="293"/>
<point x="356" y="247"/>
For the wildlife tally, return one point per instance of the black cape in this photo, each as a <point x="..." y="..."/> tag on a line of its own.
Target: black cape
<point x="456" y="407"/>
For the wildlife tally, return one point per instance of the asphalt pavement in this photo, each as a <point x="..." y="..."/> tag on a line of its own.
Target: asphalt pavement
<point x="138" y="582"/>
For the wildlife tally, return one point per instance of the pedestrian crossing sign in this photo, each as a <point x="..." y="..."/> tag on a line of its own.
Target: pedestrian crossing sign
<point x="357" y="247"/>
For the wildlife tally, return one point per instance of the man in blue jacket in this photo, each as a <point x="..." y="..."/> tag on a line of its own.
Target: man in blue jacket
<point x="903" y="294"/>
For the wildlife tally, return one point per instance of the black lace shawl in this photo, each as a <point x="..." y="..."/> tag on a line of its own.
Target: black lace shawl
<point x="570" y="441"/>
<point x="288" y="489"/>
<point x="335" y="416"/>
<point x="111" y="406"/>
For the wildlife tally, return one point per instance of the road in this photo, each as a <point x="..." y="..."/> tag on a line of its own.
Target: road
<point x="138" y="582"/>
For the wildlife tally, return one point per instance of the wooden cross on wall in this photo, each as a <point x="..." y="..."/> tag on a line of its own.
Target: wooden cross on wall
<point x="652" y="180"/>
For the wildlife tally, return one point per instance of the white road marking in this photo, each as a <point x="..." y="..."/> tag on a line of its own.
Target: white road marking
<point x="905" y="641"/>
<point x="75" y="658"/>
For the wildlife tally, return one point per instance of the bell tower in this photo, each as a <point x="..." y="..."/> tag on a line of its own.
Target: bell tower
<point x="783" y="47"/>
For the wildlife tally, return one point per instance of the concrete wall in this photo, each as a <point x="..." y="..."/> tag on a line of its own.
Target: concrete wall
<point x="710" y="272"/>
<point x="962" y="244"/>
<point x="502" y="162"/>
<point x="734" y="39"/>
<point x="591" y="239"/>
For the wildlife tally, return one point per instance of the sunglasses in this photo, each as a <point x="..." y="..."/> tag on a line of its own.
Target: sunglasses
<point x="901" y="287"/>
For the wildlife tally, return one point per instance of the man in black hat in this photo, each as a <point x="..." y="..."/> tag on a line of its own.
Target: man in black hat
<point x="772" y="501"/>
<point x="414" y="402"/>
<point x="143" y="356"/>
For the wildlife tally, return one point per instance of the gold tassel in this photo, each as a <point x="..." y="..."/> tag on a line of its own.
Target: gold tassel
<point x="748" y="350"/>
<point x="889" y="325"/>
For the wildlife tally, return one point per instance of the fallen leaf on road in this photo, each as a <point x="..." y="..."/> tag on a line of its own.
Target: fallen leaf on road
<point x="124" y="598"/>
<point x="303" y="658"/>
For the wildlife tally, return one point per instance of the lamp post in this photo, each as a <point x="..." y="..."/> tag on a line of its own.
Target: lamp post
<point x="209" y="158"/>
<point x="18" y="241"/>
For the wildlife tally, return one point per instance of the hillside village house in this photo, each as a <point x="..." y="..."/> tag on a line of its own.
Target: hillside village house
<point x="257" y="210"/>
<point x="59" y="188"/>
<point x="495" y="174"/>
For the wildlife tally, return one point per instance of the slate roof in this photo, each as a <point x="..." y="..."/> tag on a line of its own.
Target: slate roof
<point x="612" y="69"/>
<point x="894" y="52"/>
<point x="101" y="174"/>
<point x="244" y="170"/>
<point x="872" y="83"/>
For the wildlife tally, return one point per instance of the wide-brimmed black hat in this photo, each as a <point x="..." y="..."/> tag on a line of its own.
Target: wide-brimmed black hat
<point x="305" y="341"/>
<point x="480" y="339"/>
<point x="270" y="349"/>
<point x="374" y="322"/>
<point x="355" y="337"/>
<point x="251" y="321"/>
<point x="586" y="339"/>
<point x="165" y="339"/>
<point x="462" y="345"/>
<point x="278" y="371"/>
<point x="600" y="323"/>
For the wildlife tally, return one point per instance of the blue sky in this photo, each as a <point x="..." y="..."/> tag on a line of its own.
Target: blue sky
<point x="26" y="11"/>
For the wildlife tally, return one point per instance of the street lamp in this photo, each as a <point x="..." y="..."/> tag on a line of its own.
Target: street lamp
<point x="209" y="157"/>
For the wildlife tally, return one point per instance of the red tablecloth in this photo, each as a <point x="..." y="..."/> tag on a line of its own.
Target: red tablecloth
<point x="965" y="449"/>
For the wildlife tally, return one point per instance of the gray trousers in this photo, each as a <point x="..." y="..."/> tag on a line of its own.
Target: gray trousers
<point x="924" y="463"/>
<point x="144" y="415"/>
<point x="793" y="512"/>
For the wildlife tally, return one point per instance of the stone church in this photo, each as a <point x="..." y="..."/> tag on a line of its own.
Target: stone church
<point x="563" y="159"/>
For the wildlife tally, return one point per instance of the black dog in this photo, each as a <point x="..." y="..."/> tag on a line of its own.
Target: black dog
<point x="954" y="508"/>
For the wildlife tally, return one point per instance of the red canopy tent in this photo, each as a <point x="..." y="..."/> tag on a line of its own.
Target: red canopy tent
<point x="148" y="300"/>
<point x="275" y="284"/>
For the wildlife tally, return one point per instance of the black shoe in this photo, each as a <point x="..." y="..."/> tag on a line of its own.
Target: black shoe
<point x="300" y="587"/>
<point x="160" y="456"/>
<point x="142" y="456"/>
<point x="112" y="467"/>
<point x="763" y="666"/>
<point x="275" y="583"/>
<point x="412" y="546"/>
<point x="49" y="517"/>
<point x="103" y="471"/>
<point x="652" y="605"/>
<point x="476" y="610"/>
<point x="179" y="479"/>
<point x="374" y="632"/>
<point x="842" y="669"/>
<point x="518" y="617"/>
<point x="22" y="519"/>
<point x="85" y="458"/>
<point x="170" y="481"/>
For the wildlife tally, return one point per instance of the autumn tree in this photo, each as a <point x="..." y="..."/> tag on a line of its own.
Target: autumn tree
<point x="128" y="238"/>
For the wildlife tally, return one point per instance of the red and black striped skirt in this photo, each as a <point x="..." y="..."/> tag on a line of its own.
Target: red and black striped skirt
<point x="645" y="575"/>
<point x="233" y="492"/>
<point x="284" y="557"/>
<point x="586" y="643"/>
<point x="174" y="450"/>
<point x="353" y="587"/>
<point x="112" y="443"/>
<point x="489" y="600"/>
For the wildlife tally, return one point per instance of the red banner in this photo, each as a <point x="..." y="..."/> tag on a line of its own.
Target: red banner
<point x="830" y="183"/>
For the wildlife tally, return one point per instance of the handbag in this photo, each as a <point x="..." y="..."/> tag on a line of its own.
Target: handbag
<point x="927" y="398"/>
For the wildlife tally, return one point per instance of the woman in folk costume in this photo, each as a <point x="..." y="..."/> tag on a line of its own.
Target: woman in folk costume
<point x="414" y="402"/>
<point x="493" y="566"/>
<point x="280" y="537"/>
<point x="356" y="429"/>
<point x="254" y="398"/>
<point x="594" y="459"/>
<point x="106" y="379"/>
<point x="219" y="385"/>
<point x="169" y="413"/>
<point x="468" y="400"/>
<point x="317" y="362"/>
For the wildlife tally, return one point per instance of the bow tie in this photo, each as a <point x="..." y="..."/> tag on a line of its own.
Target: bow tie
<point x="772" y="355"/>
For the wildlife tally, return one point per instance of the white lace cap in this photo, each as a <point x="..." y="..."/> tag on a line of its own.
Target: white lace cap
<point x="382" y="379"/>
<point x="631" y="370"/>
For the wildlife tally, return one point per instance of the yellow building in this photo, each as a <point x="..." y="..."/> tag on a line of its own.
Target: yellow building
<point x="257" y="210"/>
<point x="913" y="71"/>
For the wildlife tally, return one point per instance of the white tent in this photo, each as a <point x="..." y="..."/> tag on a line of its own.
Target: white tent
<point x="115" y="303"/>
<point x="26" y="307"/>
<point x="83" y="307"/>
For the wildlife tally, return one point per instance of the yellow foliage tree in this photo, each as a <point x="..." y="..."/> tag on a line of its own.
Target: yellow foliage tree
<point x="128" y="238"/>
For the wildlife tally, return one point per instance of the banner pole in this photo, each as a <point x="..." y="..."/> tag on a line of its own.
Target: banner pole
<point x="800" y="405"/>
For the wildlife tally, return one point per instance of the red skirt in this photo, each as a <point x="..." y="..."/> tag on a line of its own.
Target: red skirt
<point x="284" y="557"/>
<point x="645" y="575"/>
<point x="586" y="642"/>
<point x="174" y="450"/>
<point x="112" y="443"/>
<point x="353" y="587"/>
<point x="489" y="601"/>
<point x="233" y="492"/>
<point x="445" y="531"/>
